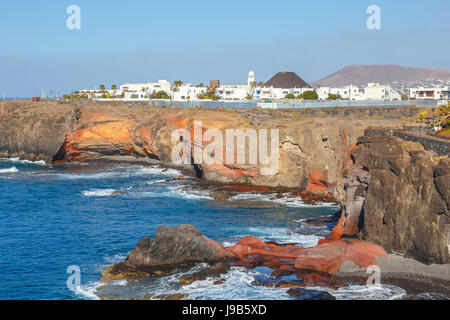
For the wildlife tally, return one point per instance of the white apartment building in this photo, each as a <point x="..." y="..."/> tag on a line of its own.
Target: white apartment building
<point x="277" y="93"/>
<point x="429" y="93"/>
<point x="233" y="92"/>
<point x="350" y="92"/>
<point x="375" y="91"/>
<point x="237" y="92"/>
<point x="188" y="92"/>
<point x="161" y="85"/>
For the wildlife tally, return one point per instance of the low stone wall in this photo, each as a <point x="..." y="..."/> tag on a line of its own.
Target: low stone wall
<point x="386" y="112"/>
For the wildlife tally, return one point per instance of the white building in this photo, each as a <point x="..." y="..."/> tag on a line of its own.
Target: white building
<point x="375" y="91"/>
<point x="233" y="92"/>
<point x="429" y="93"/>
<point x="161" y="85"/>
<point x="350" y="92"/>
<point x="188" y="92"/>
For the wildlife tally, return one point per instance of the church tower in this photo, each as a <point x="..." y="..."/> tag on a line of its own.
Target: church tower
<point x="251" y="77"/>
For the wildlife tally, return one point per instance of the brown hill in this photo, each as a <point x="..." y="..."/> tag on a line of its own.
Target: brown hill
<point x="361" y="75"/>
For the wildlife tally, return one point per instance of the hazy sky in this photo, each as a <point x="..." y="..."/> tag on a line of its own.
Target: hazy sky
<point x="195" y="41"/>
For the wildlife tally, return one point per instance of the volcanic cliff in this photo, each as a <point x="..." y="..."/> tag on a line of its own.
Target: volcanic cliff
<point x="391" y="193"/>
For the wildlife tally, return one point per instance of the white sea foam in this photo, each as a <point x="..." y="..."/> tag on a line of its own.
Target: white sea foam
<point x="169" y="190"/>
<point x="237" y="286"/>
<point x="124" y="172"/>
<point x="9" y="170"/>
<point x="18" y="160"/>
<point x="115" y="258"/>
<point x="285" y="235"/>
<point x="99" y="192"/>
<point x="160" y="171"/>
<point x="87" y="291"/>
<point x="286" y="201"/>
<point x="361" y="292"/>
<point x="279" y="235"/>
<point x="177" y="191"/>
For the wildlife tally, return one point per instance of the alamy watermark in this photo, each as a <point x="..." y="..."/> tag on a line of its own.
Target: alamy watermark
<point x="192" y="151"/>
<point x="74" y="280"/>
<point x="73" y="22"/>
<point x="374" y="20"/>
<point x="375" y="276"/>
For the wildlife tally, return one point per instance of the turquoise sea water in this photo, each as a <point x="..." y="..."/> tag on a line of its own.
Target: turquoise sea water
<point x="91" y="215"/>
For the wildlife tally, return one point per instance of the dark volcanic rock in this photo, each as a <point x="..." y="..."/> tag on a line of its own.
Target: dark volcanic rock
<point x="34" y="130"/>
<point x="169" y="249"/>
<point x="209" y="272"/>
<point x="303" y="294"/>
<point x="398" y="197"/>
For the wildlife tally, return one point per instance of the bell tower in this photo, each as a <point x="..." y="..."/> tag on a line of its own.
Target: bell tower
<point x="251" y="77"/>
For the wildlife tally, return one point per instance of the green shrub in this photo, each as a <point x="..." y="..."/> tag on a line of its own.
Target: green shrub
<point x="310" y="95"/>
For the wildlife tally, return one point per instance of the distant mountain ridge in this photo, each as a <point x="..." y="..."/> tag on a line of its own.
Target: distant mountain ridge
<point x="361" y="75"/>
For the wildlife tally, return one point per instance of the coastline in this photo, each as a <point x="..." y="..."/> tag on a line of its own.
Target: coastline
<point x="344" y="160"/>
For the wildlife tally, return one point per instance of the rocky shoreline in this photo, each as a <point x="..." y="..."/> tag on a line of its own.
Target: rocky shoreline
<point x="394" y="193"/>
<point x="331" y="265"/>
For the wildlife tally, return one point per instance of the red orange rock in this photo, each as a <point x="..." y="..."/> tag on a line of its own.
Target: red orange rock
<point x="327" y="257"/>
<point x="317" y="181"/>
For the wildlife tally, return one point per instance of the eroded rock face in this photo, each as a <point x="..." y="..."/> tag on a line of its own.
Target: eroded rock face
<point x="34" y="131"/>
<point x="313" y="150"/>
<point x="170" y="248"/>
<point x="398" y="197"/>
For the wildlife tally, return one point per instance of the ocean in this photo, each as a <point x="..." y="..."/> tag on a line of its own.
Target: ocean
<point x="92" y="215"/>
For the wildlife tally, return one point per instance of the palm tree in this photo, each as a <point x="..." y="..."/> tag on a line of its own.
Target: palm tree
<point x="114" y="88"/>
<point x="261" y="84"/>
<point x="178" y="83"/>
<point x="102" y="87"/>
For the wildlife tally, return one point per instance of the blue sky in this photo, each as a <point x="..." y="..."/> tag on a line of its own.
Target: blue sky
<point x="143" y="41"/>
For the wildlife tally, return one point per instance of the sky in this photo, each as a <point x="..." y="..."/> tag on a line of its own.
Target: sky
<point x="196" y="41"/>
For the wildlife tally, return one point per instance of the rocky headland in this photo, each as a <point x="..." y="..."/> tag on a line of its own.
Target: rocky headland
<point x="394" y="193"/>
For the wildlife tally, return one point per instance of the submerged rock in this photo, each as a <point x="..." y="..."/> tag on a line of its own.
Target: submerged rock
<point x="304" y="294"/>
<point x="214" y="271"/>
<point x="176" y="296"/>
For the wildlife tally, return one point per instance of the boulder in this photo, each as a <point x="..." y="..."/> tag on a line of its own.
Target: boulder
<point x="327" y="257"/>
<point x="169" y="249"/>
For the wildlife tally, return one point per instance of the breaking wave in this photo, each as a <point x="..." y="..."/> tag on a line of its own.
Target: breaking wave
<point x="287" y="201"/>
<point x="18" y="160"/>
<point x="99" y="192"/>
<point x="9" y="170"/>
<point x="123" y="172"/>
<point x="238" y="283"/>
<point x="279" y="235"/>
<point x="87" y="291"/>
<point x="361" y="292"/>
